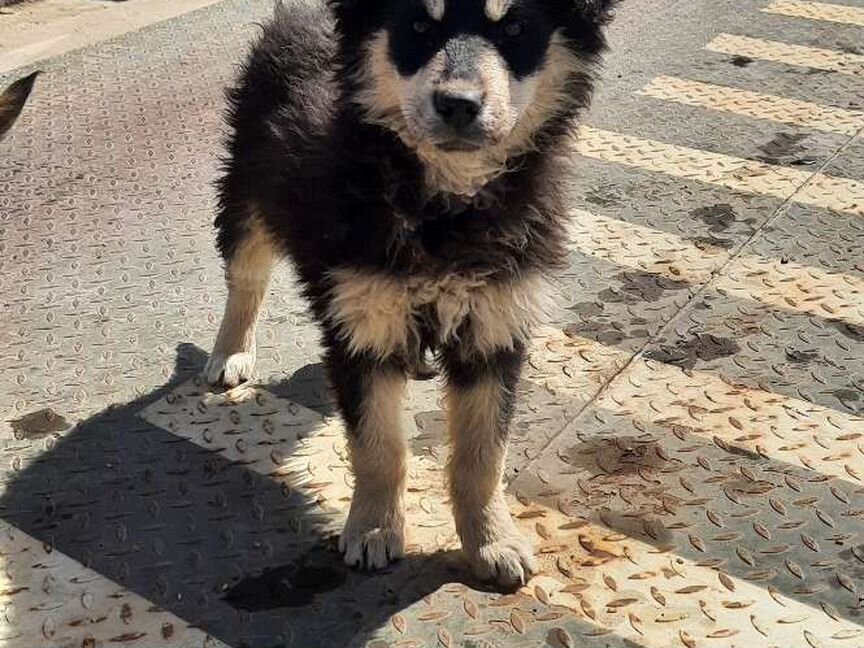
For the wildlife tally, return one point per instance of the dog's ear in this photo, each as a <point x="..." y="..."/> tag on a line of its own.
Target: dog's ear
<point x="352" y="15"/>
<point x="353" y="9"/>
<point x="12" y="101"/>
<point x="342" y="8"/>
<point x="599" y="12"/>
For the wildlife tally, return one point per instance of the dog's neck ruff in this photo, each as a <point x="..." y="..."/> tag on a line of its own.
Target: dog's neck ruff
<point x="456" y="173"/>
<point x="463" y="174"/>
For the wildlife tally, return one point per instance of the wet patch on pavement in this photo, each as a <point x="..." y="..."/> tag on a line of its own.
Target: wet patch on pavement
<point x="699" y="348"/>
<point x="606" y="322"/>
<point x="639" y="287"/>
<point x="601" y="329"/>
<point x="785" y="148"/>
<point x="290" y="586"/>
<point x="617" y="456"/>
<point x="38" y="424"/>
<point x="719" y="218"/>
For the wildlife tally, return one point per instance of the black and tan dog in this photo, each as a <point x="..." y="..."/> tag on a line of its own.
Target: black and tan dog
<point x="403" y="153"/>
<point x="12" y="101"/>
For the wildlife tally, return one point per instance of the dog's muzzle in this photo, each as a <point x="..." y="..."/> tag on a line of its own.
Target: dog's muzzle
<point x="458" y="110"/>
<point x="458" y="113"/>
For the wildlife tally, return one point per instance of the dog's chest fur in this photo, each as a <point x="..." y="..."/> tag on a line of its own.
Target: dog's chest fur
<point x="385" y="314"/>
<point x="452" y="270"/>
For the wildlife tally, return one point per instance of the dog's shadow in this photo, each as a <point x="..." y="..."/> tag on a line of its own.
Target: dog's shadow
<point x="225" y="548"/>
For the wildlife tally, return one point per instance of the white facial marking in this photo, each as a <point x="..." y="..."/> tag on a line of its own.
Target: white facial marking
<point x="436" y="8"/>
<point x="376" y="312"/>
<point x="497" y="9"/>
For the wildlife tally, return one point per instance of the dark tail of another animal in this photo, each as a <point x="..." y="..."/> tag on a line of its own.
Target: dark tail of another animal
<point x="12" y="101"/>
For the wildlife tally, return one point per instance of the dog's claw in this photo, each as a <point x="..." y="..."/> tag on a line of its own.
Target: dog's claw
<point x="230" y="370"/>
<point x="372" y="549"/>
<point x="508" y="561"/>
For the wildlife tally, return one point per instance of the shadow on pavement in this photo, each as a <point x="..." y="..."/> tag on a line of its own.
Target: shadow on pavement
<point x="228" y="550"/>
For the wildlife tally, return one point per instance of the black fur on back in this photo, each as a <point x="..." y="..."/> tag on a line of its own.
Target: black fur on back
<point x="337" y="192"/>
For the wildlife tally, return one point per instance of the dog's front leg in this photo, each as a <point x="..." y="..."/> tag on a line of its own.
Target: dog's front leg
<point x="370" y="394"/>
<point x="247" y="274"/>
<point x="480" y="399"/>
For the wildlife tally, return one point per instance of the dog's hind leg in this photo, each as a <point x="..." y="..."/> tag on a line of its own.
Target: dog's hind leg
<point x="370" y="393"/>
<point x="480" y="401"/>
<point x="247" y="274"/>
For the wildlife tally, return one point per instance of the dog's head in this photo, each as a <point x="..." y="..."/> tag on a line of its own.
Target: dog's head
<point x="12" y="101"/>
<point x="465" y="75"/>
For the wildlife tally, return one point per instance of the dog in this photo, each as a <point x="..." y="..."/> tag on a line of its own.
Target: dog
<point x="404" y="154"/>
<point x="12" y="101"/>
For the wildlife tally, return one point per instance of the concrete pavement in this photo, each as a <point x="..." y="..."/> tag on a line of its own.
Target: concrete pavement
<point x="689" y="449"/>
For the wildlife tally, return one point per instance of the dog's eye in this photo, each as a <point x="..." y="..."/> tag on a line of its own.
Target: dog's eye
<point x="422" y="26"/>
<point x="514" y="28"/>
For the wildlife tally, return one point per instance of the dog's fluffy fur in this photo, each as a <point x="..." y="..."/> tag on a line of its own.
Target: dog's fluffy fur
<point x="412" y="226"/>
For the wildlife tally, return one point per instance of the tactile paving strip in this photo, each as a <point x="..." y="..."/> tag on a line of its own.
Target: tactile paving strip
<point x="818" y="11"/>
<point x="800" y="55"/>
<point x="842" y="194"/>
<point x="756" y="105"/>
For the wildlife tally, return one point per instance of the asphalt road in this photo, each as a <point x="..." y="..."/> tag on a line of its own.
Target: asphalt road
<point x="689" y="449"/>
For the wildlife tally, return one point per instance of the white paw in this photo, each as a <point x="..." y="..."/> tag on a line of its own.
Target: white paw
<point x="369" y="546"/>
<point x="509" y="560"/>
<point x="230" y="370"/>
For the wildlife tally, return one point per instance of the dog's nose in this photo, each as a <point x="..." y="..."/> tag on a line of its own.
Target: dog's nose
<point x="458" y="109"/>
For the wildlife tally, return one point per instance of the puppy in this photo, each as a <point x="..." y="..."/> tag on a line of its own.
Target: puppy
<point x="12" y="101"/>
<point x="403" y="154"/>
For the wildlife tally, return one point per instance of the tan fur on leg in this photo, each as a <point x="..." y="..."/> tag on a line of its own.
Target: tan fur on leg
<point x="247" y="275"/>
<point x="375" y="531"/>
<point x="495" y="548"/>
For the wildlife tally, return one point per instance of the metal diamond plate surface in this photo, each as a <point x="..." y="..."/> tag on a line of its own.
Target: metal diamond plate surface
<point x="688" y="451"/>
<point x="50" y="599"/>
<point x="756" y="105"/>
<point x="800" y="55"/>
<point x="818" y="11"/>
